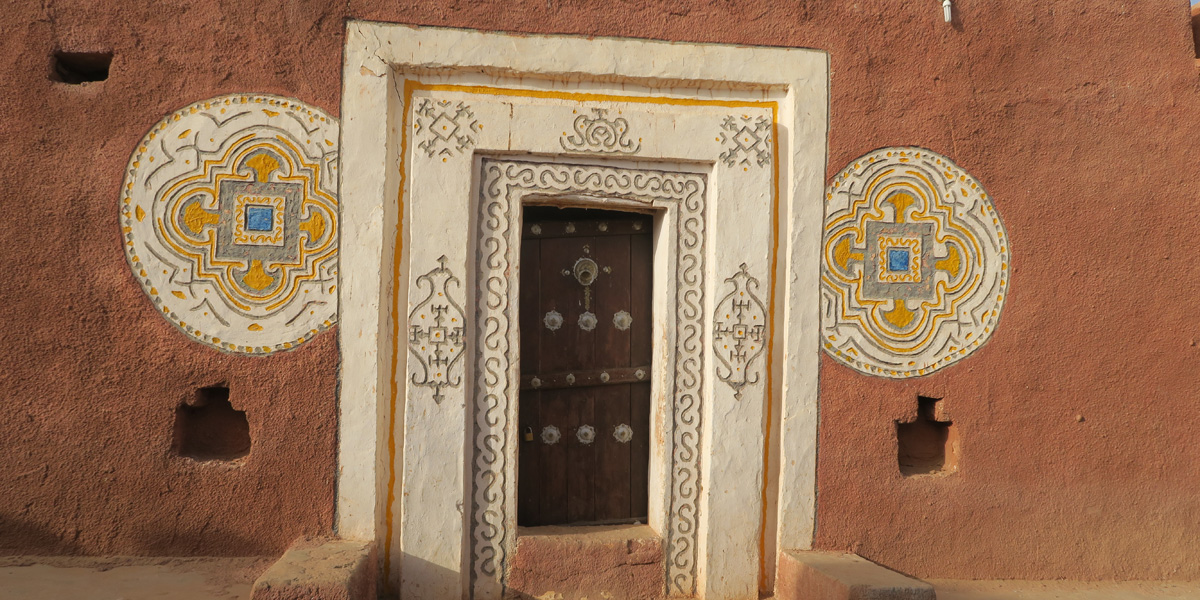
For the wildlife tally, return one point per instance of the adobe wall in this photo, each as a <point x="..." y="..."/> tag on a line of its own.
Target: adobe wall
<point x="1073" y="114"/>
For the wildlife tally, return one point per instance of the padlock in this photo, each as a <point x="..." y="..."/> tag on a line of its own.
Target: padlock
<point x="529" y="434"/>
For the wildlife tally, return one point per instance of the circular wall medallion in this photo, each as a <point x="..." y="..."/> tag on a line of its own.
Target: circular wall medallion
<point x="229" y="216"/>
<point x="915" y="264"/>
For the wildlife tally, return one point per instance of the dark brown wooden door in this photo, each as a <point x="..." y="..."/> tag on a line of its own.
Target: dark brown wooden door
<point x="585" y="367"/>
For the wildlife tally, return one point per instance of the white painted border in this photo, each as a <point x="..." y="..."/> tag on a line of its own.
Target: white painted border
<point x="377" y="54"/>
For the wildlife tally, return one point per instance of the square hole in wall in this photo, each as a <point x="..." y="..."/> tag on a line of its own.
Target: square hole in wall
<point x="80" y="67"/>
<point x="209" y="428"/>
<point x="929" y="444"/>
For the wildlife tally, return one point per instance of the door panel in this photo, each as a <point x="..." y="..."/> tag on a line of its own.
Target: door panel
<point x="585" y="357"/>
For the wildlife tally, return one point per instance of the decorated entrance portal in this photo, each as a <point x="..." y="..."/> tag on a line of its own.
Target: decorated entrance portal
<point x="584" y="404"/>
<point x="507" y="361"/>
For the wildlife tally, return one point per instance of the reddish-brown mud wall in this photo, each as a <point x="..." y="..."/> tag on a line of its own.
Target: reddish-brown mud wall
<point x="1078" y="420"/>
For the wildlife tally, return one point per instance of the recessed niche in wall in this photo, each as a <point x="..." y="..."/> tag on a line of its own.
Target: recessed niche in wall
<point x="929" y="444"/>
<point x="209" y="428"/>
<point x="80" y="67"/>
<point x="1196" y="28"/>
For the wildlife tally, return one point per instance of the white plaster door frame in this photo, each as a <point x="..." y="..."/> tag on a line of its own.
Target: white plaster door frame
<point x="422" y="108"/>
<point x="681" y="199"/>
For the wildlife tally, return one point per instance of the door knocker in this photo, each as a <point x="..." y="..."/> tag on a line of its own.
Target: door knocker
<point x="585" y="271"/>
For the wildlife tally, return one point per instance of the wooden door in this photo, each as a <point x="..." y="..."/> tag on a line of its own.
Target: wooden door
<point x="585" y="367"/>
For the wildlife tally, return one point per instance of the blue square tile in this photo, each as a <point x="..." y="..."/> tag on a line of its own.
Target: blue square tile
<point x="897" y="259"/>
<point x="260" y="218"/>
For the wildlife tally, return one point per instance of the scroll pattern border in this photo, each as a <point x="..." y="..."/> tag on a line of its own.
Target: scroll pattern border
<point x="502" y="183"/>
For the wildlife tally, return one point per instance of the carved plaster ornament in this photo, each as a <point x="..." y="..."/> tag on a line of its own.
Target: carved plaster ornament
<point x="913" y="279"/>
<point x="600" y="134"/>
<point x="623" y="433"/>
<point x="587" y="321"/>
<point x="446" y="128"/>
<point x="436" y="337"/>
<point x="230" y="221"/>
<point x="622" y="320"/>
<point x="747" y="141"/>
<point x="553" y="320"/>
<point x="739" y="332"/>
<point x="586" y="434"/>
<point x="550" y="435"/>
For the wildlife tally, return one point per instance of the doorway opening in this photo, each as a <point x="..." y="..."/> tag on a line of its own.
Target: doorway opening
<point x="585" y="338"/>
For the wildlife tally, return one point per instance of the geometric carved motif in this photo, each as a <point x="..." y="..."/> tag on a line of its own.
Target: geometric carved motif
<point x="229" y="216"/>
<point x="435" y="336"/>
<point x="599" y="134"/>
<point x="915" y="264"/>
<point x="503" y="183"/>
<point x="739" y="332"/>
<point x="447" y="129"/>
<point x="747" y="141"/>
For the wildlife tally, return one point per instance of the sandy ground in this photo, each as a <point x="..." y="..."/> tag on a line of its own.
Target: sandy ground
<point x="949" y="589"/>
<point x="139" y="578"/>
<point x="128" y="578"/>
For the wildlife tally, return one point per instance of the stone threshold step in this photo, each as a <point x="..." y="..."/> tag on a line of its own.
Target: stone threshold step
<point x="840" y="576"/>
<point x="321" y="570"/>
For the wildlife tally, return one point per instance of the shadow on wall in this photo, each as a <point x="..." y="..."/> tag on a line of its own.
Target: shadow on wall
<point x="425" y="574"/>
<point x="18" y="537"/>
<point x="23" y="538"/>
<point x="204" y="542"/>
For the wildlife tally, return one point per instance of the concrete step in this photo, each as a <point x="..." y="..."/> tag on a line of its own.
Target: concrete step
<point x="807" y="575"/>
<point x="321" y="570"/>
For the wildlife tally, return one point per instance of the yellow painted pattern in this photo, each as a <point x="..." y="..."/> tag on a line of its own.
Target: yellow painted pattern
<point x="314" y="226"/>
<point x="185" y="217"/>
<point x="934" y="311"/>
<point x="843" y="254"/>
<point x="899" y="316"/>
<point x="196" y="218"/>
<point x="967" y="259"/>
<point x="263" y="165"/>
<point x="222" y="272"/>
<point x="256" y="277"/>
<point x="951" y="264"/>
